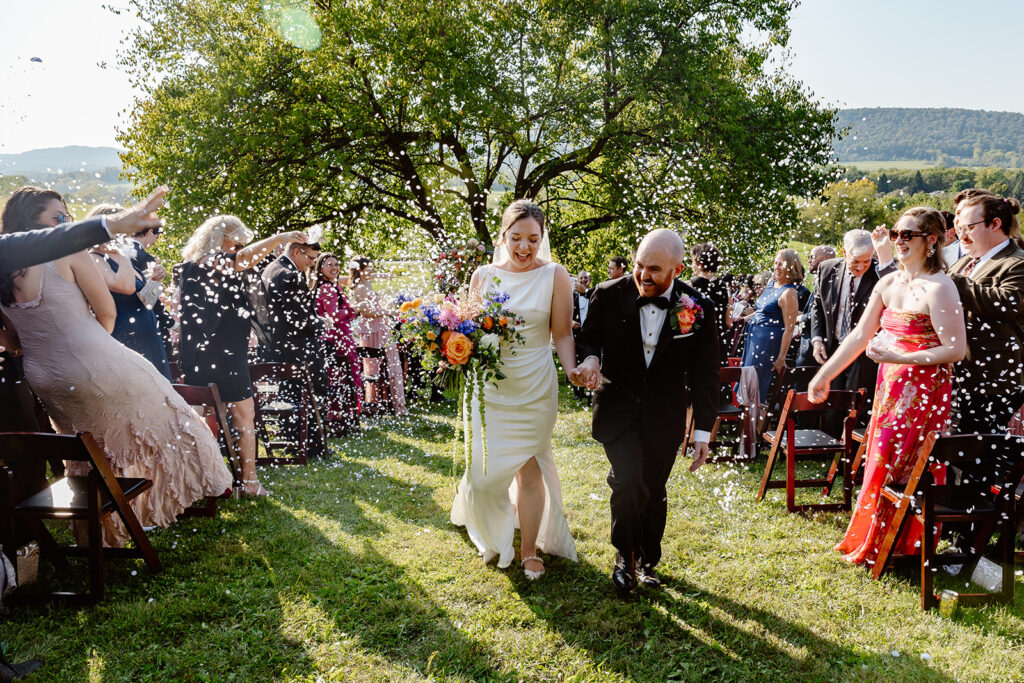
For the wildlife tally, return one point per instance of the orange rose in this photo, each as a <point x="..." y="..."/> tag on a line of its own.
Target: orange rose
<point x="431" y="335"/>
<point x="504" y="321"/>
<point x="416" y="302"/>
<point x="686" y="318"/>
<point x="405" y="307"/>
<point x="445" y="335"/>
<point x="488" y="323"/>
<point x="458" y="348"/>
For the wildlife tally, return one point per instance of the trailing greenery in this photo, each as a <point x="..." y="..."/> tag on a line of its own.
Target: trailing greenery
<point x="352" y="572"/>
<point x="949" y="137"/>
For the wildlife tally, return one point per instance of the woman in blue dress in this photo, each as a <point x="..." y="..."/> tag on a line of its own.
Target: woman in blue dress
<point x="771" y="327"/>
<point x="136" y="325"/>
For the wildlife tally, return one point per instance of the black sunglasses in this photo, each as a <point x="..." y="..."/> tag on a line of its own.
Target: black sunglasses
<point x="905" y="235"/>
<point x="155" y="231"/>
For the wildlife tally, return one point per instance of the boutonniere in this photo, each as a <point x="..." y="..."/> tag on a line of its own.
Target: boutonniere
<point x="686" y="315"/>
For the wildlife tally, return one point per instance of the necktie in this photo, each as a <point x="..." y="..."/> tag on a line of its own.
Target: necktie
<point x="846" y="321"/>
<point x="659" y="301"/>
<point x="969" y="268"/>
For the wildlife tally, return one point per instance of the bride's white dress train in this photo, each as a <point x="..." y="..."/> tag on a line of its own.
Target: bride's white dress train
<point x="520" y="415"/>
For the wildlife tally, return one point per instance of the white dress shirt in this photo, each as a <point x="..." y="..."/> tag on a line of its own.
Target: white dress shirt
<point x="584" y="307"/>
<point x="652" y="319"/>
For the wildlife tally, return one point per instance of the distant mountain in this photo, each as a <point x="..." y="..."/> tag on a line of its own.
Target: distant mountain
<point x="949" y="137"/>
<point x="59" y="159"/>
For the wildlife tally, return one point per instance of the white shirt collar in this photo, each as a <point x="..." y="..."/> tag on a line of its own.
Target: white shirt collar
<point x="993" y="251"/>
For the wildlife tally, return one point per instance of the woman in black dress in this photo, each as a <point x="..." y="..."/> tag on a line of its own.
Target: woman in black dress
<point x="215" y="311"/>
<point x="706" y="259"/>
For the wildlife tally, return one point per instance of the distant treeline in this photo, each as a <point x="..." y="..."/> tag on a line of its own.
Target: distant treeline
<point x="948" y="137"/>
<point x="1004" y="182"/>
<point x="81" y="189"/>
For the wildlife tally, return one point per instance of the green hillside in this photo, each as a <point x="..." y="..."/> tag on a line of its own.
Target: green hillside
<point x="947" y="137"/>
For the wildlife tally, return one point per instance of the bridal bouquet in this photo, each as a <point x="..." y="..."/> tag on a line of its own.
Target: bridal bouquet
<point x="463" y="343"/>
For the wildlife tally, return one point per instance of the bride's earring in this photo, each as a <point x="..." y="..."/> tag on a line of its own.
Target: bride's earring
<point x="931" y="250"/>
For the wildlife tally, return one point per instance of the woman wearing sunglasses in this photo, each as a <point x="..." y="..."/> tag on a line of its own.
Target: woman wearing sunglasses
<point x="922" y="335"/>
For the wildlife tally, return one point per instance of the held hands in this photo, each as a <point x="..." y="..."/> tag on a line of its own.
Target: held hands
<point x="586" y="374"/>
<point x="140" y="217"/>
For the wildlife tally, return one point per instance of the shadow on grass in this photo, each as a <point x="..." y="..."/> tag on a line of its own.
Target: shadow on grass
<point x="687" y="632"/>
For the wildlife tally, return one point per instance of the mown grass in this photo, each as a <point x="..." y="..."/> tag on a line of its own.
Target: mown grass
<point x="351" y="571"/>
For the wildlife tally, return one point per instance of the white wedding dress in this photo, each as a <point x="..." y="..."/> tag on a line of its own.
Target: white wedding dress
<point x="520" y="415"/>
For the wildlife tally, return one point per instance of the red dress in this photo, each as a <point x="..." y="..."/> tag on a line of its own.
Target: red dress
<point x="344" y="379"/>
<point x="910" y="402"/>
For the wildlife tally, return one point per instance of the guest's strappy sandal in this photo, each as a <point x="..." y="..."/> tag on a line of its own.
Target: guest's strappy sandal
<point x="532" y="575"/>
<point x="258" y="493"/>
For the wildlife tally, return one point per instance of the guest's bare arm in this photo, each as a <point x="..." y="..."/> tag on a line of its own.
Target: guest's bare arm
<point x="89" y="280"/>
<point x="852" y="346"/>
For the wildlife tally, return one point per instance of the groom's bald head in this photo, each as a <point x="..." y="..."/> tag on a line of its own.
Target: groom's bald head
<point x="659" y="259"/>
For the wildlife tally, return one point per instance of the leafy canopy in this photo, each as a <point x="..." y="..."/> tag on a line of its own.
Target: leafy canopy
<point x="416" y="122"/>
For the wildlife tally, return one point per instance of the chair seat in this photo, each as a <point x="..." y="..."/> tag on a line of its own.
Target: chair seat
<point x="279" y="407"/>
<point x="808" y="439"/>
<point x="895" y="492"/>
<point x="68" y="497"/>
<point x="858" y="433"/>
<point x="728" y="410"/>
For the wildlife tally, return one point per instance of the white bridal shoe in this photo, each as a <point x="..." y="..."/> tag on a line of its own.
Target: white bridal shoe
<point x="532" y="575"/>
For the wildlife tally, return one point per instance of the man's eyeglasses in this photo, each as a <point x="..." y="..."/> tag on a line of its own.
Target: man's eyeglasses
<point x="64" y="218"/>
<point x="967" y="228"/>
<point x="143" y="233"/>
<point x="905" y="235"/>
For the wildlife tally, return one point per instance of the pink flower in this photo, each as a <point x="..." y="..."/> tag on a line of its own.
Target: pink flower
<point x="449" y="317"/>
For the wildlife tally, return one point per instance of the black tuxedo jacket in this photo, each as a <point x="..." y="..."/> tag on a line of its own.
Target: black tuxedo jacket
<point x="828" y="294"/>
<point x="682" y="371"/>
<point x="294" y="325"/>
<point x="23" y="249"/>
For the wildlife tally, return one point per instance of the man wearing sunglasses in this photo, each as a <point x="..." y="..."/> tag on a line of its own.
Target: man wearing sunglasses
<point x="990" y="280"/>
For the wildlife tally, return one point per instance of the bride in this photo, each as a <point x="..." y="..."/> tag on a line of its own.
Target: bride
<point x="521" y="484"/>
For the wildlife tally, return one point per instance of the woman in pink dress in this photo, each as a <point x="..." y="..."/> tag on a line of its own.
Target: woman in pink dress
<point x="344" y="376"/>
<point x="373" y="329"/>
<point x="922" y="323"/>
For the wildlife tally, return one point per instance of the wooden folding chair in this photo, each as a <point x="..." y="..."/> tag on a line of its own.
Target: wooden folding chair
<point x="90" y="498"/>
<point x="212" y="409"/>
<point x="982" y="496"/>
<point x="778" y="387"/>
<point x="381" y="381"/>
<point x="806" y="443"/>
<point x="272" y="410"/>
<point x="729" y="410"/>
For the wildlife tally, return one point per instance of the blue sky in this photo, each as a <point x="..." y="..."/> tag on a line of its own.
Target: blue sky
<point x="909" y="53"/>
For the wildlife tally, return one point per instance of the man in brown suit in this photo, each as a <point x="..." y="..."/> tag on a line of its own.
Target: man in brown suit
<point x="990" y="279"/>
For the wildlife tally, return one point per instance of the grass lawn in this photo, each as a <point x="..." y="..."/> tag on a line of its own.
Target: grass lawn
<point x="351" y="571"/>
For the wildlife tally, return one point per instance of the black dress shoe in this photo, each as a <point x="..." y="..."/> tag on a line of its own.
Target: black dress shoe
<point x="623" y="579"/>
<point x="646" y="576"/>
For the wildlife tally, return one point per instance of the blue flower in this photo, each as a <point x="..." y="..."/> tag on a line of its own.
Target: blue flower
<point x="497" y="297"/>
<point x="431" y="311"/>
<point x="467" y="327"/>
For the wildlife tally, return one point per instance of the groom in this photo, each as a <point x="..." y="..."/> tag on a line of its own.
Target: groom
<point x="645" y="372"/>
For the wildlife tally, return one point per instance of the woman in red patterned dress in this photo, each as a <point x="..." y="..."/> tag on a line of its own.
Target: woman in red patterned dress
<point x="922" y="322"/>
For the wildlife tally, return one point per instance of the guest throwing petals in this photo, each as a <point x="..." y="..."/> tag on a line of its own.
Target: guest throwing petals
<point x="922" y="324"/>
<point x="344" y="379"/>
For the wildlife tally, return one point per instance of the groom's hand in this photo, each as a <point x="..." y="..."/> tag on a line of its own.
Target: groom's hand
<point x="701" y="451"/>
<point x="588" y="373"/>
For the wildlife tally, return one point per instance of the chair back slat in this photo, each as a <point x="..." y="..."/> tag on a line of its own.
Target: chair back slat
<point x="18" y="448"/>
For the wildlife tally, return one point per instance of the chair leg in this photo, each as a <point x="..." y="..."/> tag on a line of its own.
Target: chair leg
<point x="899" y="520"/>
<point x="95" y="533"/>
<point x="1008" y="536"/>
<point x="928" y="555"/>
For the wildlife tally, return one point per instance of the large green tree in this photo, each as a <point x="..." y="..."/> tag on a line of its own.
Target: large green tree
<point x="374" y="117"/>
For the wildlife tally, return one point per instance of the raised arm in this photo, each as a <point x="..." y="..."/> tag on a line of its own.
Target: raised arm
<point x="851" y="347"/>
<point x="252" y="254"/>
<point x="1002" y="301"/>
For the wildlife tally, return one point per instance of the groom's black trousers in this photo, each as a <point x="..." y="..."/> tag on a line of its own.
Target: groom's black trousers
<point x="638" y="475"/>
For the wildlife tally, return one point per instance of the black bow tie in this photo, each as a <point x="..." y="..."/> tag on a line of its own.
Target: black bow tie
<point x="659" y="301"/>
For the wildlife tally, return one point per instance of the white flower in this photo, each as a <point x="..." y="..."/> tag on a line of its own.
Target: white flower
<point x="489" y="341"/>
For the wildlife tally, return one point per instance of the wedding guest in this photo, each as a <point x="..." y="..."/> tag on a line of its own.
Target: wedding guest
<point x="952" y="249"/>
<point x="373" y="329"/>
<point x="214" y="310"/>
<point x="344" y="375"/>
<point x="617" y="267"/>
<point x="295" y="331"/>
<point x="805" y="353"/>
<point x="152" y="270"/>
<point x="136" y="324"/>
<point x="705" y="258"/>
<point x="990" y="280"/>
<point x="844" y="287"/>
<point x="922" y="322"/>
<point x="770" y="329"/>
<point x="580" y="308"/>
<point x="89" y="382"/>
